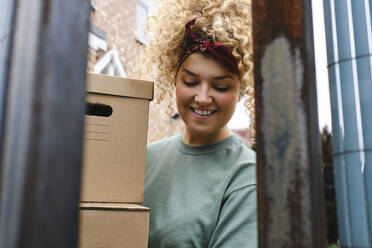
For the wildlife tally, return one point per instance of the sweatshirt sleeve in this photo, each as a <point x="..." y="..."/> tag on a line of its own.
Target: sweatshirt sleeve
<point x="237" y="222"/>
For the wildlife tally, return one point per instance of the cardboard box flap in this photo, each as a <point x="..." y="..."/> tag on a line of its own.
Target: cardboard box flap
<point x="112" y="206"/>
<point x="97" y="83"/>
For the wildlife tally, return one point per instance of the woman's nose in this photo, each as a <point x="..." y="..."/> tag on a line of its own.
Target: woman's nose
<point x="203" y="97"/>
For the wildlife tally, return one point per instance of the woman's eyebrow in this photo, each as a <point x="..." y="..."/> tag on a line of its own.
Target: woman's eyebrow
<point x="222" y="77"/>
<point x="216" y="78"/>
<point x="190" y="73"/>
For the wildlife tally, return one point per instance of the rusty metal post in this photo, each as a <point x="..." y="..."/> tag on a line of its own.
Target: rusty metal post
<point x="7" y="10"/>
<point x="44" y="119"/>
<point x="290" y="192"/>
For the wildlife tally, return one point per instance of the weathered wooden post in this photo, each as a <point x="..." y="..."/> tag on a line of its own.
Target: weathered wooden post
<point x="44" y="125"/>
<point x="290" y="193"/>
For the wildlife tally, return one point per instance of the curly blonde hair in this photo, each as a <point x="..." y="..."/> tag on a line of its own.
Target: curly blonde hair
<point x="223" y="21"/>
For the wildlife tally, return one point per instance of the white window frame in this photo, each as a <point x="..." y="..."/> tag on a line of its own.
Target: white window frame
<point x="96" y="42"/>
<point x="112" y="60"/>
<point x="93" y="4"/>
<point x="147" y="6"/>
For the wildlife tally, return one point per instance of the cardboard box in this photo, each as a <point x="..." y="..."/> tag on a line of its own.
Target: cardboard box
<point x="115" y="139"/>
<point x="113" y="225"/>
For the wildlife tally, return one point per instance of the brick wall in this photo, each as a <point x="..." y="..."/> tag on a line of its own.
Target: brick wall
<point x="118" y="19"/>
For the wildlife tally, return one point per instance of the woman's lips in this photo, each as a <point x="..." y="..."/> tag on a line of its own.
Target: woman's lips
<point x="203" y="113"/>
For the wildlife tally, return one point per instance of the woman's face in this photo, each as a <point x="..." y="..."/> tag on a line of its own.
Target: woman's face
<point x="206" y="95"/>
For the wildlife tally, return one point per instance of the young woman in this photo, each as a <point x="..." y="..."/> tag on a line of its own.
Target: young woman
<point x="201" y="184"/>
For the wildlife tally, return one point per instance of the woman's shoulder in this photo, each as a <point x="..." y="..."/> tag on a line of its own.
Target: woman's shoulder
<point x="242" y="151"/>
<point x="243" y="171"/>
<point x="163" y="144"/>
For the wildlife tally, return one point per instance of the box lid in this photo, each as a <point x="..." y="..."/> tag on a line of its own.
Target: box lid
<point x="112" y="206"/>
<point x="97" y="83"/>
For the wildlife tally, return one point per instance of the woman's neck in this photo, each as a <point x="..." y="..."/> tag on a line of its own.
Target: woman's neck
<point x="207" y="139"/>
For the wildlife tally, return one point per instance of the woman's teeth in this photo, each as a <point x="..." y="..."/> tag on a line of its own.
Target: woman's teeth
<point x="203" y="112"/>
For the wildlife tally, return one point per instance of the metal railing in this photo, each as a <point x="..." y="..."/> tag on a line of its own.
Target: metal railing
<point x="44" y="125"/>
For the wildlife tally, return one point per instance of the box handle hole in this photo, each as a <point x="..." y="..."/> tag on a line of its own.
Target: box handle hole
<point x="98" y="109"/>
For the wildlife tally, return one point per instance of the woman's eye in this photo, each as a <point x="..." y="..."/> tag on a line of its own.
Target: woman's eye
<point x="190" y="84"/>
<point x="221" y="89"/>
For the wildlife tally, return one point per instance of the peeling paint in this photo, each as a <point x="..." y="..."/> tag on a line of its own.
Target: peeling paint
<point x="285" y="144"/>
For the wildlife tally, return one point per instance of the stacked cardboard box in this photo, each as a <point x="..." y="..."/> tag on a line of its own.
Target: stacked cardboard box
<point x="113" y="225"/>
<point x="114" y="163"/>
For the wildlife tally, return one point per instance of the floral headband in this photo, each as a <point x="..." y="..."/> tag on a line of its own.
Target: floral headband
<point x="219" y="50"/>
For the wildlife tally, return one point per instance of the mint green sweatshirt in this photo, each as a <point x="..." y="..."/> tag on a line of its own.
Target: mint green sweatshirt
<point x="201" y="196"/>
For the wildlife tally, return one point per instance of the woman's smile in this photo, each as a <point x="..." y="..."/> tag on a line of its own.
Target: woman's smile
<point x="202" y="115"/>
<point x="203" y="112"/>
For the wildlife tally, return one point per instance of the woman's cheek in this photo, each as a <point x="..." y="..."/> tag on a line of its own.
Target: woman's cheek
<point x="183" y="92"/>
<point x="228" y="100"/>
